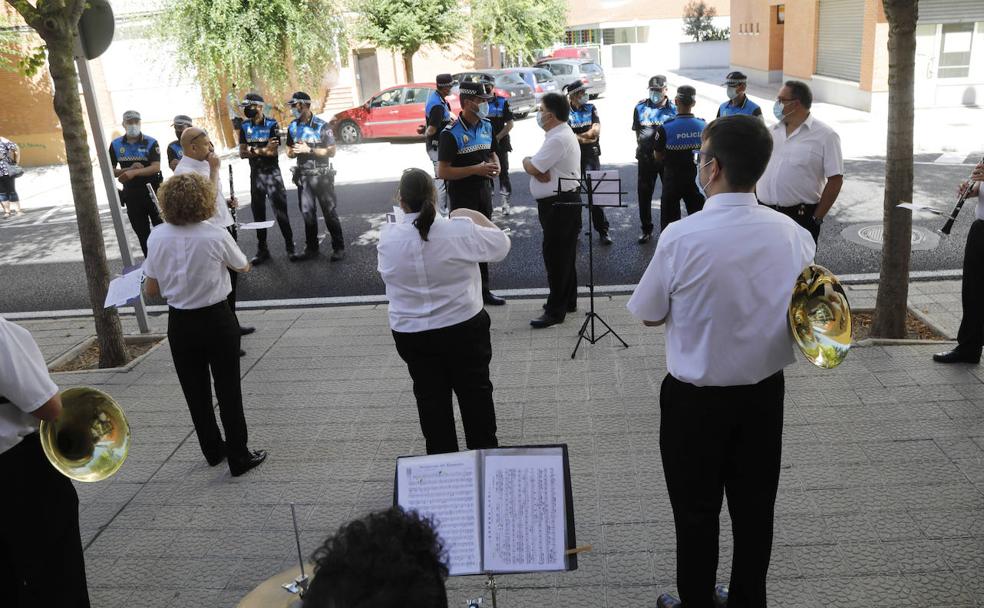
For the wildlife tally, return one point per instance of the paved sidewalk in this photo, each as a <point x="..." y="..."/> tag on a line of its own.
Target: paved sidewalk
<point x="881" y="499"/>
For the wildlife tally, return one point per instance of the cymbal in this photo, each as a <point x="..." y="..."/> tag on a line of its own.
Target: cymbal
<point x="270" y="594"/>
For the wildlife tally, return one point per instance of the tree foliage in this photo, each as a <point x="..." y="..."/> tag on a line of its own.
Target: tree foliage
<point x="698" y="22"/>
<point x="405" y="26"/>
<point x="21" y="49"/>
<point x="522" y="27"/>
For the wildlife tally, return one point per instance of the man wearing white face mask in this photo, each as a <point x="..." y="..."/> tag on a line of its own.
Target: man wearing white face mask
<point x="647" y="116"/>
<point x="738" y="102"/>
<point x="806" y="171"/>
<point x="721" y="281"/>
<point x="139" y="160"/>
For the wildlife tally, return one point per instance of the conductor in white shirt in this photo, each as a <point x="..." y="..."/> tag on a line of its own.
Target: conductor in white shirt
<point x="188" y="259"/>
<point x="557" y="165"/>
<point x="721" y="281"/>
<point x="806" y="171"/>
<point x="430" y="267"/>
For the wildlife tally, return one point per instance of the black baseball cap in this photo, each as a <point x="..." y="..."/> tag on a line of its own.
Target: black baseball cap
<point x="734" y="79"/>
<point x="444" y="80"/>
<point x="474" y="89"/>
<point x="250" y="99"/>
<point x="657" y="82"/>
<point x="181" y="120"/>
<point x="687" y="94"/>
<point x="299" y="97"/>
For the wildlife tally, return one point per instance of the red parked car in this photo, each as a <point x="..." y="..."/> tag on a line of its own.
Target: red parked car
<point x="396" y="112"/>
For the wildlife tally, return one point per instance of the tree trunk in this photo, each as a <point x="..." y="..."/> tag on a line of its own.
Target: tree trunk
<point x="891" y="305"/>
<point x="68" y="107"/>
<point x="408" y="64"/>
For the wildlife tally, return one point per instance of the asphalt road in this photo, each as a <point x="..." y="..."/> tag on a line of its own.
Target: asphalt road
<point x="38" y="270"/>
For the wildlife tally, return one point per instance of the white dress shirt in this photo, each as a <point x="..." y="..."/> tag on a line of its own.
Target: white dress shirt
<point x="980" y="202"/>
<point x="800" y="164"/>
<point x="723" y="279"/>
<point x="189" y="262"/>
<point x="222" y="217"/>
<point x="559" y="156"/>
<point x="24" y="382"/>
<point x="435" y="283"/>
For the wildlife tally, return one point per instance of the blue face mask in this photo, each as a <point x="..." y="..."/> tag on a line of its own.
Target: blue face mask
<point x="540" y="120"/>
<point x="777" y="110"/>
<point x="483" y="109"/>
<point x="656" y="96"/>
<point x="295" y="113"/>
<point x="697" y="179"/>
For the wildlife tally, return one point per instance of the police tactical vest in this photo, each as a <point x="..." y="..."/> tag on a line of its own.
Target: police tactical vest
<point x="309" y="133"/>
<point x="497" y="106"/>
<point x="580" y="119"/>
<point x="471" y="140"/>
<point x="259" y="135"/>
<point x="683" y="132"/>
<point x="729" y="109"/>
<point x="653" y="117"/>
<point x="128" y="153"/>
<point x="176" y="150"/>
<point x="434" y="99"/>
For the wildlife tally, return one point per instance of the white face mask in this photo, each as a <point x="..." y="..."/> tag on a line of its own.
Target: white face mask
<point x="732" y="92"/>
<point x="295" y="113"/>
<point x="541" y="121"/>
<point x="133" y="130"/>
<point x="482" y="110"/>
<point x="697" y="179"/>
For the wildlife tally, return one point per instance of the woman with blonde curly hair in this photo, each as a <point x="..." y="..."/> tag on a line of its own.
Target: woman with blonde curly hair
<point x="187" y="262"/>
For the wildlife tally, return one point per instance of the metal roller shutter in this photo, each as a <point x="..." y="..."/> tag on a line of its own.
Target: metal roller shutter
<point x="950" y="11"/>
<point x="839" y="40"/>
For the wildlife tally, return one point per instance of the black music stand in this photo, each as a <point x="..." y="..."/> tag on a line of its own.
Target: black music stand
<point x="590" y="185"/>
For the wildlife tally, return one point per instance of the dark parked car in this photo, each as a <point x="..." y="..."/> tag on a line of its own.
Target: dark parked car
<point x="522" y="101"/>
<point x="396" y="112"/>
<point x="541" y="80"/>
<point x="567" y="71"/>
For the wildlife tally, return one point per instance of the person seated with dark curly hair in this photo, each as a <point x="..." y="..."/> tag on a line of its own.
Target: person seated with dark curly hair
<point x="388" y="559"/>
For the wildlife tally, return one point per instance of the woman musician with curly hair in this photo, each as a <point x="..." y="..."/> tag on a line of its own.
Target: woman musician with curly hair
<point x="187" y="262"/>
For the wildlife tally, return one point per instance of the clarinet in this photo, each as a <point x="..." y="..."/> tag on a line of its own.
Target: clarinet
<point x="964" y="193"/>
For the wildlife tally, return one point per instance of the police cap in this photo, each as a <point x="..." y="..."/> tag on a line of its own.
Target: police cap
<point x="474" y="89"/>
<point x="299" y="97"/>
<point x="657" y="82"/>
<point x="131" y="115"/>
<point x="444" y="80"/>
<point x="734" y="79"/>
<point x="687" y="94"/>
<point x="181" y="121"/>
<point x="250" y="99"/>
<point x="575" y="87"/>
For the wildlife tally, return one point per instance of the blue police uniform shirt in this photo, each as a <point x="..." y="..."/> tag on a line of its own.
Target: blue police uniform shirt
<point x="437" y="114"/>
<point x="258" y="135"/>
<point x="679" y="140"/>
<point x="464" y="145"/>
<point x="581" y="120"/>
<point x="144" y="151"/>
<point x="174" y="151"/>
<point x="646" y="118"/>
<point x="314" y="133"/>
<point x="499" y="114"/>
<point x="749" y="108"/>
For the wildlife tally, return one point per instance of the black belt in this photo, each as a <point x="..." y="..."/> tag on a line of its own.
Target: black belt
<point x="320" y="170"/>
<point x="800" y="208"/>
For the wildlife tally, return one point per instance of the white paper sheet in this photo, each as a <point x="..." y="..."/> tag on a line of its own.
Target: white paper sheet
<point x="525" y="516"/>
<point x="256" y="225"/>
<point x="914" y="207"/>
<point x="606" y="193"/>
<point x="123" y="289"/>
<point x="445" y="487"/>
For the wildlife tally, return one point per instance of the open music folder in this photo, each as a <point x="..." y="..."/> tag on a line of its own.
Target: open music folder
<point x="500" y="510"/>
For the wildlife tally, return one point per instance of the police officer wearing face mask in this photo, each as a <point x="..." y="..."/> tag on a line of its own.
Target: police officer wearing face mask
<point x="647" y="116"/>
<point x="174" y="151"/>
<point x="586" y="125"/>
<point x="311" y="142"/>
<point x="501" y="117"/>
<point x="259" y="141"/>
<point x="677" y="143"/>
<point x="738" y="102"/>
<point x="467" y="162"/>
<point x="139" y="160"/>
<point x="437" y="113"/>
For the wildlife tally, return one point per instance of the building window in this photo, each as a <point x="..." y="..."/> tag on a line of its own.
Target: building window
<point x="955" y="50"/>
<point x="780" y="14"/>
<point x="582" y="37"/>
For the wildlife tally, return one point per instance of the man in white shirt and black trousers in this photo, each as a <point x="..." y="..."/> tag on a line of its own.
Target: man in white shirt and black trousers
<point x="559" y="157"/>
<point x="721" y="281"/>
<point x="806" y="171"/>
<point x="41" y="562"/>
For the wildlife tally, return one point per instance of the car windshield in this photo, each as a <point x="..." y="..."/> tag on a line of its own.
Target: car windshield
<point x="590" y="68"/>
<point x="560" y="68"/>
<point x="542" y="75"/>
<point x="508" y="79"/>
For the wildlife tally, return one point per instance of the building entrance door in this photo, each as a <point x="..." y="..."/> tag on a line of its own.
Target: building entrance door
<point x="367" y="73"/>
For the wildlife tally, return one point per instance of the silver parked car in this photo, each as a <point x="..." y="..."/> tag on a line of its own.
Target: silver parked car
<point x="540" y="79"/>
<point x="567" y="71"/>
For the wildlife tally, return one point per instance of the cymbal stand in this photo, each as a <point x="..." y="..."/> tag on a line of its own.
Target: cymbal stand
<point x="300" y="584"/>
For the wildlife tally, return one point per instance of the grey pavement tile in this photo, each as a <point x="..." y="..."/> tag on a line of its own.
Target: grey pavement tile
<point x="918" y="555"/>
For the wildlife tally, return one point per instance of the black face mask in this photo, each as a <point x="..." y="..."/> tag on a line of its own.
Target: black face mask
<point x="251" y="112"/>
<point x="177" y="134"/>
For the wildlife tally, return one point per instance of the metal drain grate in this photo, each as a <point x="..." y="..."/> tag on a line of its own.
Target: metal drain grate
<point x="873" y="235"/>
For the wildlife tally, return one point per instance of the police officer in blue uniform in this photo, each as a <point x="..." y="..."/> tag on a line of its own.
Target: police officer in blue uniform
<point x="467" y="161"/>
<point x="676" y="144"/>
<point x="139" y="160"/>
<point x="311" y="142"/>
<point x="738" y="102"/>
<point x="437" y="114"/>
<point x="647" y="116"/>
<point x="259" y="141"/>
<point x="586" y="125"/>
<point x="174" y="151"/>
<point x="501" y="117"/>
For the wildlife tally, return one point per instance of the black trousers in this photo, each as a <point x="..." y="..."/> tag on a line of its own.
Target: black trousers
<point x="716" y="441"/>
<point x="481" y="201"/>
<point x="204" y="341"/>
<point x="142" y="211"/>
<point x="315" y="191"/>
<point x="268" y="183"/>
<point x="505" y="186"/>
<point x="970" y="336"/>
<point x="454" y="358"/>
<point x="649" y="170"/>
<point x="233" y="275"/>
<point x="41" y="560"/>
<point x="561" y="225"/>
<point x="673" y="191"/>
<point x="592" y="162"/>
<point x="802" y="214"/>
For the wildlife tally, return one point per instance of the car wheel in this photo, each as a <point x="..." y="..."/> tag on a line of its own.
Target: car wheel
<point x="349" y="133"/>
<point x="521" y="116"/>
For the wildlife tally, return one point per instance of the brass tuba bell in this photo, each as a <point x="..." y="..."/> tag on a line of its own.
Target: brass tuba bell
<point x="820" y="317"/>
<point x="90" y="439"/>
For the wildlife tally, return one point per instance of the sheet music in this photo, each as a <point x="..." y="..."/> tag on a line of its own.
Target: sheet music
<point x="256" y="225"/>
<point x="606" y="193"/>
<point x="525" y="517"/>
<point x="123" y="289"/>
<point x="917" y="207"/>
<point x="445" y="487"/>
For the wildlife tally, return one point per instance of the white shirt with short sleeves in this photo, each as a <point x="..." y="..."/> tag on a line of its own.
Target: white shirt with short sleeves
<point x="222" y="217"/>
<point x="559" y="156"/>
<point x="190" y="263"/>
<point x="435" y="283"/>
<point x="24" y="383"/>
<point x="800" y="164"/>
<point x="722" y="279"/>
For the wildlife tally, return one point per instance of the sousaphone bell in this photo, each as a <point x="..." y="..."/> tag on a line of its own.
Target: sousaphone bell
<point x="90" y="439"/>
<point x="820" y="317"/>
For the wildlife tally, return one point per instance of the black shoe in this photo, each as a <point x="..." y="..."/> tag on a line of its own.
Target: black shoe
<point x="292" y="255"/>
<point x="245" y="330"/>
<point x="242" y="353"/>
<point x="643" y="239"/>
<point x="337" y="255"/>
<point x="491" y="299"/>
<point x="309" y="254"/>
<point x="667" y="601"/>
<point x="255" y="459"/>
<point x="721" y="596"/>
<point x="545" y="320"/>
<point x="605" y="239"/>
<point x="955" y="356"/>
<point x="570" y="307"/>
<point x="261" y="256"/>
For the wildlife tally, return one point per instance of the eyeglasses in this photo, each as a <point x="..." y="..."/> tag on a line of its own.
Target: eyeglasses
<point x="786" y="100"/>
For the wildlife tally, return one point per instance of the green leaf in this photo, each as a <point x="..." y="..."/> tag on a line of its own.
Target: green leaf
<point x="521" y="27"/>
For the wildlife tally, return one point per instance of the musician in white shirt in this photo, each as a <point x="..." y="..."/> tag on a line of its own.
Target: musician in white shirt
<point x="721" y="281"/>
<point x="188" y="259"/>
<point x="430" y="267"/>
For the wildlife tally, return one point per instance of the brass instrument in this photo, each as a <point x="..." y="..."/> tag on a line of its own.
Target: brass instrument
<point x="820" y="317"/>
<point x="90" y="439"/>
